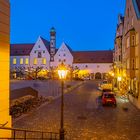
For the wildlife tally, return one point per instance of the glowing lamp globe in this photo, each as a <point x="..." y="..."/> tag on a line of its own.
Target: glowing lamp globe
<point x="62" y="71"/>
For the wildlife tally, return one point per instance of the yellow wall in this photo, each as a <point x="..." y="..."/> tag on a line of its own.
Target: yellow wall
<point x="4" y="65"/>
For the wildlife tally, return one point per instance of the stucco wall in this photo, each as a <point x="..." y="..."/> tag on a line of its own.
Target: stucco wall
<point x="39" y="46"/>
<point x="62" y="54"/>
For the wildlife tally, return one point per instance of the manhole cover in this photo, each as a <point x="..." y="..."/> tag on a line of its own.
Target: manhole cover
<point x="81" y="118"/>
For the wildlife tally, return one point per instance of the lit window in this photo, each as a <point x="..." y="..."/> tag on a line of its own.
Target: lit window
<point x="26" y="61"/>
<point x="14" y="61"/>
<point x="21" y="61"/>
<point x="35" y="61"/>
<point x="44" y="61"/>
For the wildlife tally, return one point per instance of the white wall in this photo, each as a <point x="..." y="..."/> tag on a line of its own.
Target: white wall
<point x="94" y="67"/>
<point x="63" y="50"/>
<point x="39" y="46"/>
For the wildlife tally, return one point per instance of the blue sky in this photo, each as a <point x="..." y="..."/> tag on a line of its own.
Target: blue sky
<point x="83" y="24"/>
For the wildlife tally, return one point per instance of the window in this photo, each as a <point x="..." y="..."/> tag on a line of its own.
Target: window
<point x="43" y="51"/>
<point x="26" y="61"/>
<point x="133" y="40"/>
<point x="128" y="12"/>
<point x="39" y="46"/>
<point x="86" y="66"/>
<point x="64" y="54"/>
<point x="64" y="60"/>
<point x="39" y="55"/>
<point x="14" y="61"/>
<point x="34" y="51"/>
<point x="21" y="61"/>
<point x="119" y="57"/>
<point x="59" y="60"/>
<point x="35" y="61"/>
<point x="128" y="42"/>
<point x="44" y="61"/>
<point x="133" y="64"/>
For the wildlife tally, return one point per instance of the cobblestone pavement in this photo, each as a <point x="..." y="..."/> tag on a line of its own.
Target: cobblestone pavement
<point x="85" y="118"/>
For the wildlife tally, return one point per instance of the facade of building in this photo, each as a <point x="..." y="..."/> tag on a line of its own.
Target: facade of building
<point x="117" y="56"/>
<point x="131" y="50"/>
<point x="5" y="119"/>
<point x="44" y="54"/>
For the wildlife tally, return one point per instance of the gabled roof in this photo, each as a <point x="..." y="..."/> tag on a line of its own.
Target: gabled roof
<point x="69" y="48"/>
<point x="25" y="49"/>
<point x="93" y="57"/>
<point x="46" y="42"/>
<point x="136" y="4"/>
<point x="20" y="49"/>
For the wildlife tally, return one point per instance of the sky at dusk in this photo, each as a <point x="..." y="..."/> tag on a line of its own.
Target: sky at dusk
<point x="82" y="24"/>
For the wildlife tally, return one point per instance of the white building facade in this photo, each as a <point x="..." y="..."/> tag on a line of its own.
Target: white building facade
<point x="44" y="54"/>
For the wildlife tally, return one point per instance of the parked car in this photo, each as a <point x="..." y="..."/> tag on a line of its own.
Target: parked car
<point x="106" y="90"/>
<point x="108" y="98"/>
<point x="105" y="85"/>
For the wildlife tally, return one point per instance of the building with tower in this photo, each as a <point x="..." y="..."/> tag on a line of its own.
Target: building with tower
<point x="52" y="44"/>
<point x="43" y="53"/>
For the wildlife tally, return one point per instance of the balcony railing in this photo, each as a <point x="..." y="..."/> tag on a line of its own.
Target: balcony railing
<point x="24" y="134"/>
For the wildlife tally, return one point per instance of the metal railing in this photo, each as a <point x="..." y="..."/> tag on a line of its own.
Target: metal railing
<point x="24" y="134"/>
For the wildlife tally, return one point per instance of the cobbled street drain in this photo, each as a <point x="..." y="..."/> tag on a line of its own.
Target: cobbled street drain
<point x="81" y="118"/>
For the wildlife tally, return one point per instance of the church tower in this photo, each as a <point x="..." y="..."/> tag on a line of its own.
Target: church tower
<point x="52" y="43"/>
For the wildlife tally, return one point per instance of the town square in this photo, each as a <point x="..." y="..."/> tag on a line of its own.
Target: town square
<point x="70" y="70"/>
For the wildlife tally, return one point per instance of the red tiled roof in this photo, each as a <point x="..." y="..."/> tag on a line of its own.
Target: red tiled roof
<point x="20" y="49"/>
<point x="138" y="3"/>
<point x="93" y="57"/>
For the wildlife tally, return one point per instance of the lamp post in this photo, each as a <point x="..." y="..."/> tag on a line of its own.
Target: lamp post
<point x="62" y="72"/>
<point x="119" y="79"/>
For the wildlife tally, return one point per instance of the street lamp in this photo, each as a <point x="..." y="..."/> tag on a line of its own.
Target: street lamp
<point x="119" y="79"/>
<point x="62" y="72"/>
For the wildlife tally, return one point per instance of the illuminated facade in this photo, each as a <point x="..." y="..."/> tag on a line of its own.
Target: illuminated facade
<point x="5" y="119"/>
<point x="92" y="64"/>
<point x="131" y="50"/>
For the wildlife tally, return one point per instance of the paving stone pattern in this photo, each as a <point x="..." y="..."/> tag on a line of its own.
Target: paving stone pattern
<point x="85" y="118"/>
